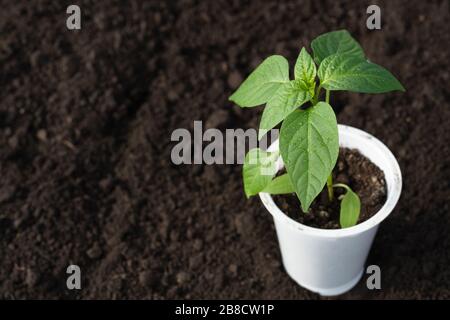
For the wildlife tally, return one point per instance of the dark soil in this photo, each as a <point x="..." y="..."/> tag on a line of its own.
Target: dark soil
<point x="85" y="124"/>
<point x="352" y="169"/>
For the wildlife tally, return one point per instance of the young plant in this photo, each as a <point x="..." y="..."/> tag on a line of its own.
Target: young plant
<point x="309" y="142"/>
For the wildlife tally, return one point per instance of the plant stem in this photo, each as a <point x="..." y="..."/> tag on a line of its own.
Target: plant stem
<point x="330" y="187"/>
<point x="330" y="177"/>
<point x="316" y="95"/>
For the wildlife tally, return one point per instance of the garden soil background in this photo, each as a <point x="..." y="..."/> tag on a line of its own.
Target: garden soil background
<point x="85" y="124"/>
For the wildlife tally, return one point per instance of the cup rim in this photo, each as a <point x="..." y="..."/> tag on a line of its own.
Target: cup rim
<point x="393" y="194"/>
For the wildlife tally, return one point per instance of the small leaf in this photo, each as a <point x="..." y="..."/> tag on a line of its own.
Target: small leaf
<point x="305" y="68"/>
<point x="347" y="72"/>
<point x="334" y="42"/>
<point x="288" y="97"/>
<point x="309" y="147"/>
<point x="262" y="83"/>
<point x="350" y="208"/>
<point x="280" y="185"/>
<point x="258" y="170"/>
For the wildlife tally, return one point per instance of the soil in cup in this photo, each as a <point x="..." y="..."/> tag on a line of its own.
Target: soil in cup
<point x="353" y="169"/>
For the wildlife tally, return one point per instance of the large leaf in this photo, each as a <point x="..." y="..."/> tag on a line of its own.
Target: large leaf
<point x="350" y="208"/>
<point x="347" y="72"/>
<point x="309" y="147"/>
<point x="287" y="98"/>
<point x="258" y="170"/>
<point x="305" y="68"/>
<point x="262" y="83"/>
<point x="334" y="42"/>
<point x="280" y="185"/>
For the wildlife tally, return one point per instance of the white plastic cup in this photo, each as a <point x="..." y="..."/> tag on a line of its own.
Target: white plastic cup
<point x="331" y="262"/>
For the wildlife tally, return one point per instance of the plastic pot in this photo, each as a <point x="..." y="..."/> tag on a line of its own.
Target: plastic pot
<point x="331" y="262"/>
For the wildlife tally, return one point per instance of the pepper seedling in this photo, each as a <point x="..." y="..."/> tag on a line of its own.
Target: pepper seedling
<point x="309" y="141"/>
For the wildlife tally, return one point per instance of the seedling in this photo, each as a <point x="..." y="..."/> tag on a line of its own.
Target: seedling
<point x="309" y="142"/>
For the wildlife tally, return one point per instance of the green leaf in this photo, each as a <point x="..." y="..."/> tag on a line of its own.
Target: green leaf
<point x="305" y="68"/>
<point x="262" y="83"/>
<point x="334" y="42"/>
<point x="347" y="72"/>
<point x="280" y="185"/>
<point x="258" y="170"/>
<point x="309" y="147"/>
<point x="350" y="208"/>
<point x="288" y="97"/>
